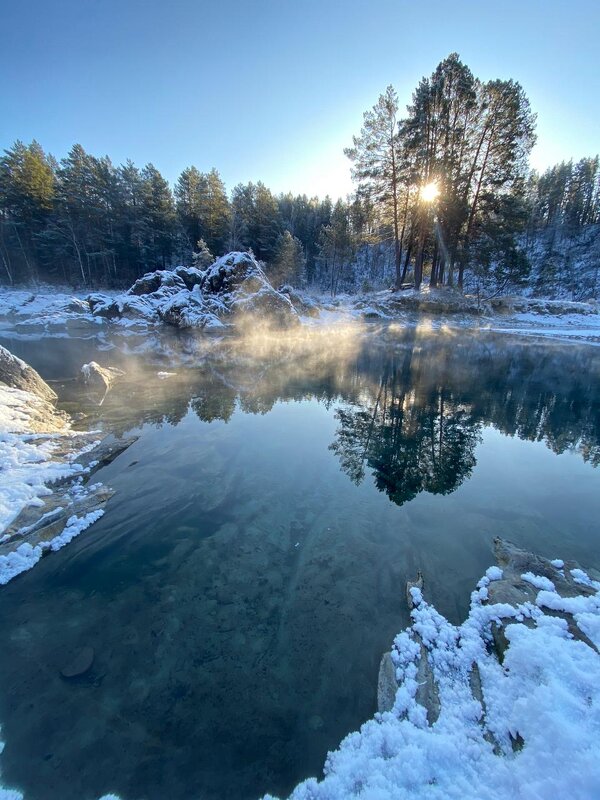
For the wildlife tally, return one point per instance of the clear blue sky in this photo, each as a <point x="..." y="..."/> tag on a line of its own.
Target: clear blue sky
<point x="273" y="91"/>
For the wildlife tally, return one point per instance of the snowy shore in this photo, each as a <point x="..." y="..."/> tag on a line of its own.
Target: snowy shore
<point x="236" y="287"/>
<point x="38" y="449"/>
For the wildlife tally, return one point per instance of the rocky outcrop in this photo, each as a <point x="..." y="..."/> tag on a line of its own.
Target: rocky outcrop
<point x="511" y="590"/>
<point x="18" y="375"/>
<point x="188" y="297"/>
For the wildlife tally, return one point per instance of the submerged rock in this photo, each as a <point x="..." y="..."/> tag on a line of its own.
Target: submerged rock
<point x="18" y="375"/>
<point x="80" y="664"/>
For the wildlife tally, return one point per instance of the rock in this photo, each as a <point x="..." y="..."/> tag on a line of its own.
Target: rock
<point x="80" y="664"/>
<point x="101" y="378"/>
<point x="416" y="584"/>
<point x="387" y="685"/>
<point x="302" y="303"/>
<point x="268" y="304"/>
<point x="189" y="297"/>
<point x="77" y="306"/>
<point x="18" y="375"/>
<point x="230" y="271"/>
<point x="191" y="276"/>
<point x="104" y="306"/>
<point x="153" y="281"/>
<point x="193" y="310"/>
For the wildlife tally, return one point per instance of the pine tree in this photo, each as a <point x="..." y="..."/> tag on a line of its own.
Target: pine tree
<point x="289" y="263"/>
<point x="158" y="212"/>
<point x="188" y="192"/>
<point x="27" y="194"/>
<point x="377" y="161"/>
<point x="214" y="212"/>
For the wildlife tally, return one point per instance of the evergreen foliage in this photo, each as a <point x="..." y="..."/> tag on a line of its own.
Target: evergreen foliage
<point x="87" y="222"/>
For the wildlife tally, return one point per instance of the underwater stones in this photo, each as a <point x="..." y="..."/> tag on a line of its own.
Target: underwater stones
<point x="18" y="375"/>
<point x="79" y="664"/>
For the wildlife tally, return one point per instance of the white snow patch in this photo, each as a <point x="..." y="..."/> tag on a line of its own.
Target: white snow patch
<point x="27" y="459"/>
<point x="546" y="695"/>
<point x="579" y="576"/>
<point x="26" y="555"/>
<point x="539" y="581"/>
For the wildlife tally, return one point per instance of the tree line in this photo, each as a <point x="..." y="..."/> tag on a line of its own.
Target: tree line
<point x="442" y="193"/>
<point x="85" y="221"/>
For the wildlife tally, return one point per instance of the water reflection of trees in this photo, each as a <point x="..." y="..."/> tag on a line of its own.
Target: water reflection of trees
<point x="412" y="440"/>
<point x="411" y="405"/>
<point x="418" y="430"/>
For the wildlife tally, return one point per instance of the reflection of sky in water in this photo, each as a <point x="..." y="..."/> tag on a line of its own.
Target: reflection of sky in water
<point x="249" y="573"/>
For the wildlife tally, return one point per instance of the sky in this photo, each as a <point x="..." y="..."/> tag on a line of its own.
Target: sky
<point x="274" y="91"/>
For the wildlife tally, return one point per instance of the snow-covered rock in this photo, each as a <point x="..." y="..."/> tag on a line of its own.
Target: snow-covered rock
<point x="19" y="375"/>
<point x="468" y="719"/>
<point x="187" y="297"/>
<point x="101" y="378"/>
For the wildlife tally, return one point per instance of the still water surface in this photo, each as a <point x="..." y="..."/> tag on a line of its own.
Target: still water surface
<point x="250" y="569"/>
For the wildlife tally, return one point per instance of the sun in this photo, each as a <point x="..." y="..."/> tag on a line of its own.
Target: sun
<point x="429" y="192"/>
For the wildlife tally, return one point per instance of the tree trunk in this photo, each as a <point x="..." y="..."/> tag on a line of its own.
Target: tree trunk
<point x="433" y="280"/>
<point x="406" y="260"/>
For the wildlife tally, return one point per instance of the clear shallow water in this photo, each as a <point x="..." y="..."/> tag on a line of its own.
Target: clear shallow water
<point x="250" y="570"/>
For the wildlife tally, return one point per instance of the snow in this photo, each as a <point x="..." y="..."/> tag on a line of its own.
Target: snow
<point x="579" y="576"/>
<point x="219" y="289"/>
<point x="558" y="563"/>
<point x="537" y="735"/>
<point x="539" y="581"/>
<point x="37" y="448"/>
<point x="27" y="556"/>
<point x="27" y="459"/>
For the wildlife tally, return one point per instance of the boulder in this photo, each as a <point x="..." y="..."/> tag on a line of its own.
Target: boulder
<point x="103" y="305"/>
<point x="302" y="303"/>
<point x="153" y="281"/>
<point x="191" y="276"/>
<point x="268" y="304"/>
<point x="230" y="271"/>
<point x="79" y="664"/>
<point x="193" y="310"/>
<point x="100" y="378"/>
<point x="18" y="375"/>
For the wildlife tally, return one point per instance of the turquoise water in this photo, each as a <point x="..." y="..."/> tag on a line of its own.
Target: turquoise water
<point x="250" y="569"/>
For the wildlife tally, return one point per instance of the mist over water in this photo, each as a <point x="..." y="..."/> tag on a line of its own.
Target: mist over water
<point x="249" y="571"/>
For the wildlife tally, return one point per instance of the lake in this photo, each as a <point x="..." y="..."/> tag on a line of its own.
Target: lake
<point x="250" y="569"/>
